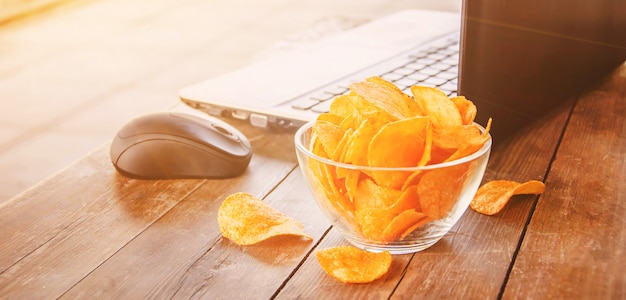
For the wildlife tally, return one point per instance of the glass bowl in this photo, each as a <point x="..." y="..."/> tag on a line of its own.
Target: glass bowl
<point x="378" y="218"/>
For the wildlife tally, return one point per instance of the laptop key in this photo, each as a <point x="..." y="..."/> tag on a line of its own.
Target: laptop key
<point x="448" y="86"/>
<point x="404" y="71"/>
<point x="418" y="76"/>
<point x="435" y="81"/>
<point x="323" y="96"/>
<point x="321" y="107"/>
<point x="338" y="90"/>
<point x="447" y="75"/>
<point x="304" y="103"/>
<point x="392" y="76"/>
<point x="406" y="82"/>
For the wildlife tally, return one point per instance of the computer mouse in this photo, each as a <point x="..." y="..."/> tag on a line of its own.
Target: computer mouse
<point x="174" y="145"/>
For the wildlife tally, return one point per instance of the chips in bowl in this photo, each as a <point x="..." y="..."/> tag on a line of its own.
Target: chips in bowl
<point x="384" y="165"/>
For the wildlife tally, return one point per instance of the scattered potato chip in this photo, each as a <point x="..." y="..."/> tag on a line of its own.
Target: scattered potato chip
<point x="493" y="196"/>
<point x="246" y="220"/>
<point x="349" y="264"/>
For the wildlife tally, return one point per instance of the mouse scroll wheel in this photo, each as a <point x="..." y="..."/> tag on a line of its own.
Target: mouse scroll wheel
<point x="223" y="131"/>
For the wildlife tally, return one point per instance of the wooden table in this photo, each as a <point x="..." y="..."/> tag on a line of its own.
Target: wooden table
<point x="89" y="232"/>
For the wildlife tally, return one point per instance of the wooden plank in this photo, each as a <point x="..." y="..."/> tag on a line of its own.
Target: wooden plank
<point x="90" y="212"/>
<point x="70" y="224"/>
<point x="474" y="258"/>
<point x="575" y="242"/>
<point x="311" y="282"/>
<point x="183" y="253"/>
<point x="228" y="271"/>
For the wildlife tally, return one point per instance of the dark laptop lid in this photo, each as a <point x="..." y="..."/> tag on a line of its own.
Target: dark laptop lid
<point x="520" y="58"/>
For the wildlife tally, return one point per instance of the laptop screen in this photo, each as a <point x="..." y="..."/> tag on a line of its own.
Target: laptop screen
<point x="521" y="58"/>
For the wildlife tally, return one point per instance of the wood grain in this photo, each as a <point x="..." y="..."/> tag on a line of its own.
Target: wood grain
<point x="575" y="242"/>
<point x="476" y="255"/>
<point x="55" y="236"/>
<point x="88" y="232"/>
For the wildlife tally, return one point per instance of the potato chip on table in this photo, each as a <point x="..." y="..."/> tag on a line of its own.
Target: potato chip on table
<point x="246" y="220"/>
<point x="349" y="264"/>
<point x="493" y="196"/>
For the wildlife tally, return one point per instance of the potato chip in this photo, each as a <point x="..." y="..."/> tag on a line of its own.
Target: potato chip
<point x="328" y="134"/>
<point x="493" y="196"/>
<point x="385" y="214"/>
<point x="342" y="147"/>
<point x="352" y="105"/>
<point x="454" y="137"/>
<point x="404" y="223"/>
<point x="435" y="104"/>
<point x="386" y="98"/>
<point x="406" y="215"/>
<point x="349" y="264"/>
<point x="403" y="143"/>
<point x="246" y="220"/>
<point x="466" y="108"/>
<point x="357" y="149"/>
<point x="335" y="191"/>
<point x="473" y="143"/>
<point x="351" y="180"/>
<point x="332" y="118"/>
<point x="372" y="208"/>
<point x="439" y="189"/>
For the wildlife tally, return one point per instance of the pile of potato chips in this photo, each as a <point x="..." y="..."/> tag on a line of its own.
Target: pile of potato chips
<point x="377" y="125"/>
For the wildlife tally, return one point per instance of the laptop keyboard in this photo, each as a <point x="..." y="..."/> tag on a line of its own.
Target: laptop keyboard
<point x="434" y="65"/>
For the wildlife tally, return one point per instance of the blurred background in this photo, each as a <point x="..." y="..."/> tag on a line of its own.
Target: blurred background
<point x="72" y="73"/>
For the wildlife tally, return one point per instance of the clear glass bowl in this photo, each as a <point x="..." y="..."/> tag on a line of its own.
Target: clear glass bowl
<point x="399" y="220"/>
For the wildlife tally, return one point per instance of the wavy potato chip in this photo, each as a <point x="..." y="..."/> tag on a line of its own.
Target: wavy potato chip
<point x="385" y="97"/>
<point x="435" y="104"/>
<point x="246" y="220"/>
<point x="493" y="196"/>
<point x="357" y="148"/>
<point x="352" y="105"/>
<point x="349" y="264"/>
<point x="404" y="223"/>
<point x="439" y="189"/>
<point x="467" y="109"/>
<point x="328" y="134"/>
<point x="402" y="143"/>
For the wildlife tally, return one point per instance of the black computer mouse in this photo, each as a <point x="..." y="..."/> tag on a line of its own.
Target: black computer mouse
<point x="173" y="145"/>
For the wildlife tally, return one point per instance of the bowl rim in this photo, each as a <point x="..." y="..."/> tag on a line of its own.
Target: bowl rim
<point x="300" y="147"/>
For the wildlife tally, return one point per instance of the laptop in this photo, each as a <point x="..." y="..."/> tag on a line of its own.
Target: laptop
<point x="519" y="67"/>
<point x="515" y="67"/>
<point x="408" y="47"/>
